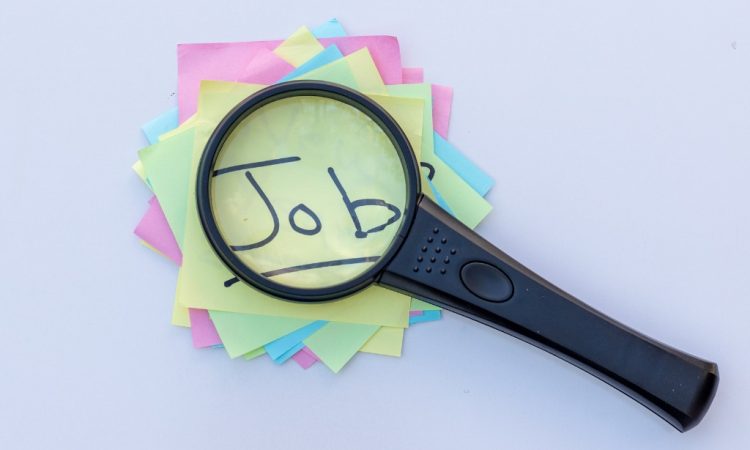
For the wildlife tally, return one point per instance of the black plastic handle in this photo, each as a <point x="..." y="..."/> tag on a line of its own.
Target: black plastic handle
<point x="447" y="264"/>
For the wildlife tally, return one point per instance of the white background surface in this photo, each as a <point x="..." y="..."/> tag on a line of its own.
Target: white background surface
<point x="619" y="136"/>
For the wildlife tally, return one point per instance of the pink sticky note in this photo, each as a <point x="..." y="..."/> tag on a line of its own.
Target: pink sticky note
<point x="416" y="313"/>
<point x="154" y="230"/>
<point x="203" y="329"/>
<point x="232" y="62"/>
<point x="412" y="75"/>
<point x="442" y="97"/>
<point x="305" y="358"/>
<point x="265" y="68"/>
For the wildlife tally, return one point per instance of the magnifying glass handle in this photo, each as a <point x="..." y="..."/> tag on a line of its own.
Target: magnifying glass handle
<point x="446" y="263"/>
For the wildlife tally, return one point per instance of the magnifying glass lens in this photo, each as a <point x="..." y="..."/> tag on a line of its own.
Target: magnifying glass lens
<point x="308" y="191"/>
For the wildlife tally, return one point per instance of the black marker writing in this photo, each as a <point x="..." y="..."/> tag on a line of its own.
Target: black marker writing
<point x="303" y="208"/>
<point x="271" y="210"/>
<point x="263" y="196"/>
<point x="430" y="170"/>
<point x="269" y="162"/>
<point x="231" y="281"/>
<point x="352" y="206"/>
<point x="317" y="265"/>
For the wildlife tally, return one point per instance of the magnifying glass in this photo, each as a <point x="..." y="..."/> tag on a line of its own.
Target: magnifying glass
<point x="310" y="191"/>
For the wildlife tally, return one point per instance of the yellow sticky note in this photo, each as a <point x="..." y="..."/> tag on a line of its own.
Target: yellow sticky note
<point x="299" y="47"/>
<point x="386" y="341"/>
<point x="201" y="282"/>
<point x="180" y="316"/>
<point x="138" y="169"/>
<point x="408" y="113"/>
<point x="365" y="72"/>
<point x="336" y="72"/>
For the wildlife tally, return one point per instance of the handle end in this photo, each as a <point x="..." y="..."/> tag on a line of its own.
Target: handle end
<point x="702" y="400"/>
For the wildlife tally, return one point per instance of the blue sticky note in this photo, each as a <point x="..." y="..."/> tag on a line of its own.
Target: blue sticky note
<point x="289" y="353"/>
<point x="327" y="56"/>
<point x="330" y="29"/>
<point x="470" y="172"/>
<point x="284" y="344"/>
<point x="167" y="121"/>
<point x="427" y="316"/>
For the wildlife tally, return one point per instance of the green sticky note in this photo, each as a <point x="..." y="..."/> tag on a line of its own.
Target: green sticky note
<point x="167" y="165"/>
<point x="243" y="333"/>
<point x="336" y="343"/>
<point x="419" y="305"/>
<point x="254" y="353"/>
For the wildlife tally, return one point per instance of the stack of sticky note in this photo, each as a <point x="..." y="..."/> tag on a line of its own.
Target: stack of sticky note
<point x="211" y="80"/>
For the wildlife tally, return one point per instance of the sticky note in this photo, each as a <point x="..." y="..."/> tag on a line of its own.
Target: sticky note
<point x="305" y="358"/>
<point x="242" y="333"/>
<point x="412" y="75"/>
<point x="203" y="329"/>
<point x="252" y="354"/>
<point x="433" y="109"/>
<point x="441" y="108"/>
<point x="202" y="277"/>
<point x="336" y="72"/>
<point x="282" y="345"/>
<point x="167" y="165"/>
<point x="477" y="178"/>
<point x="329" y="29"/>
<point x="327" y="56"/>
<point x="140" y="171"/>
<point x="159" y="125"/>
<point x="229" y="62"/>
<point x="153" y="229"/>
<point x="386" y="341"/>
<point x="288" y="354"/>
<point x="365" y="73"/>
<point x="427" y="316"/>
<point x="467" y="205"/>
<point x="266" y="68"/>
<point x="336" y="343"/>
<point x="419" y="305"/>
<point x="299" y="47"/>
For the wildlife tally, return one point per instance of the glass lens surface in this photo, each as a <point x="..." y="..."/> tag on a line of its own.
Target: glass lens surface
<point x="308" y="191"/>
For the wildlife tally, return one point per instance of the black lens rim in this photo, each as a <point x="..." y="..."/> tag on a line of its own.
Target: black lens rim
<point x="296" y="89"/>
